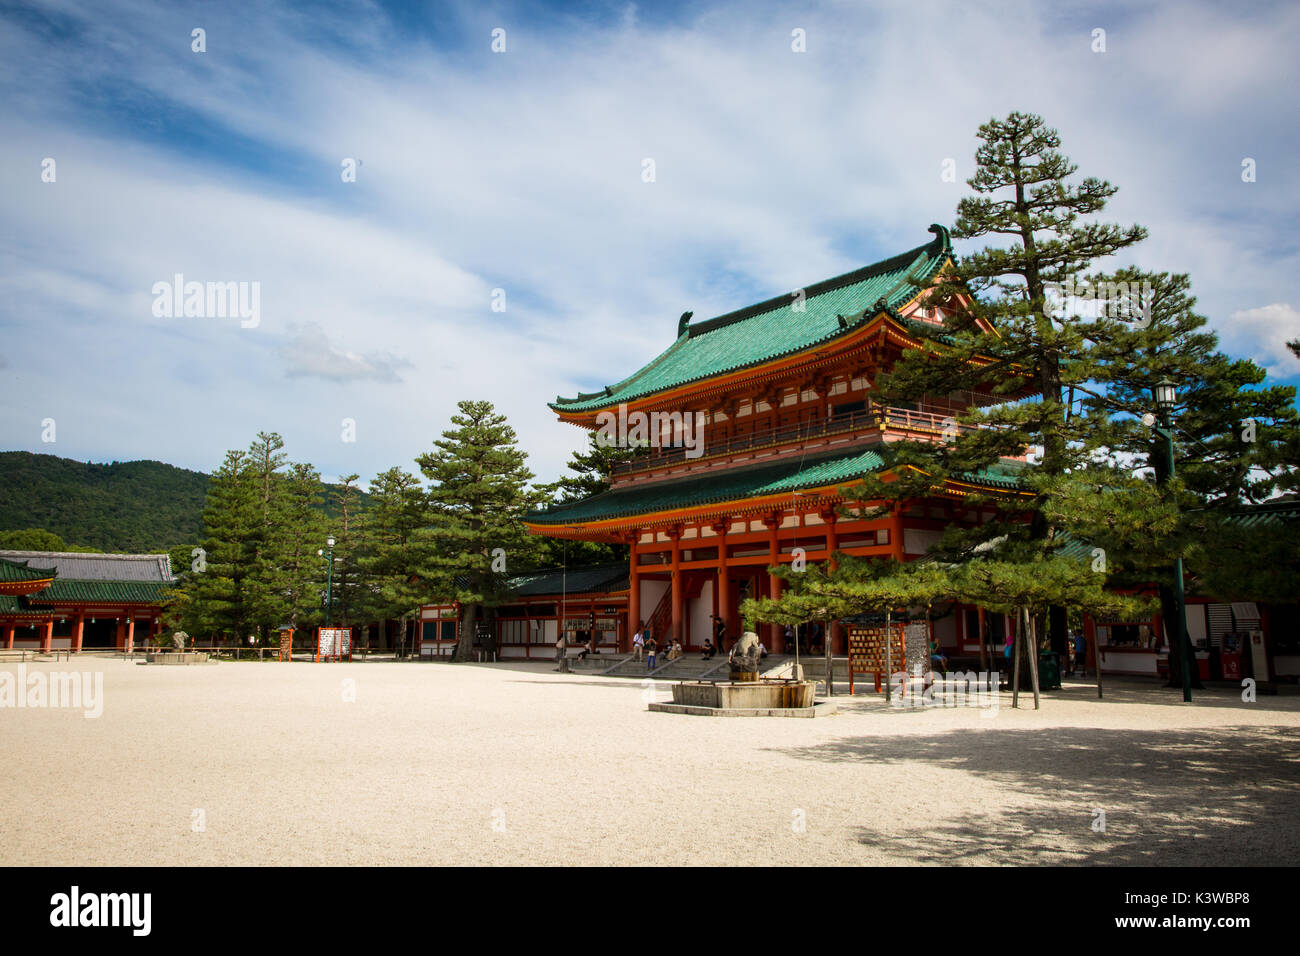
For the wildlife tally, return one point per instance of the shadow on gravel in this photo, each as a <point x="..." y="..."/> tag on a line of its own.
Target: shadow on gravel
<point x="1171" y="797"/>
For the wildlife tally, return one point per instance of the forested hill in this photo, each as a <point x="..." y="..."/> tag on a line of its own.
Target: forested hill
<point x="128" y="506"/>
<point x="131" y="506"/>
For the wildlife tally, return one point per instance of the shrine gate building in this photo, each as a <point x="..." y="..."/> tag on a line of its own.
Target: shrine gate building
<point x="783" y="392"/>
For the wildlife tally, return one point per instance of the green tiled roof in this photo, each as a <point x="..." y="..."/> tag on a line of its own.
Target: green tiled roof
<point x="735" y="484"/>
<point x="774" y="328"/>
<point x="787" y="475"/>
<point x="84" y="592"/>
<point x="1267" y="513"/>
<point x="15" y="606"/>
<point x="595" y="578"/>
<point x="11" y="571"/>
<point x="104" y="592"/>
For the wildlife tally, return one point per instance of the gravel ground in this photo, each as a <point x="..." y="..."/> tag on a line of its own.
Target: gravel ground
<point x="246" y="763"/>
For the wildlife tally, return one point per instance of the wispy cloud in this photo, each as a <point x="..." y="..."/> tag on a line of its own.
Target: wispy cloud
<point x="522" y="172"/>
<point x="309" y="353"/>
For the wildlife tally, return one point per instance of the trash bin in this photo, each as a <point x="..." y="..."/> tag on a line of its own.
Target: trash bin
<point x="1049" y="670"/>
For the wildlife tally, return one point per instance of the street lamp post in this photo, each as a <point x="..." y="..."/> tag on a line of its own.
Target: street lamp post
<point x="329" y="577"/>
<point x="1166" y="396"/>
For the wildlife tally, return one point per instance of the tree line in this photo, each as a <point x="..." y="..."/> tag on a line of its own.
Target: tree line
<point x="451" y="532"/>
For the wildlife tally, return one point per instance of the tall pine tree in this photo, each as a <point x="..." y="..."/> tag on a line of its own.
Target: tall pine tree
<point x="479" y="492"/>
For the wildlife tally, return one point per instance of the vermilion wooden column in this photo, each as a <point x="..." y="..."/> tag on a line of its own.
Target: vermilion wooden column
<point x="633" y="593"/>
<point x="775" y="633"/>
<point x="676" y="583"/>
<point x="9" y="637"/>
<point x="48" y="637"/>
<point x="80" y="631"/>
<point x="130" y="634"/>
<point x="836" y="633"/>
<point x="722" y="584"/>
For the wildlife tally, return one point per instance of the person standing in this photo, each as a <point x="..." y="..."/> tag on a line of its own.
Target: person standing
<point x="638" y="641"/>
<point x="650" y="648"/>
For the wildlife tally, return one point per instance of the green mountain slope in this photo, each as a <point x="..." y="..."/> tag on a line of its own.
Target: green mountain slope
<point x="128" y="506"/>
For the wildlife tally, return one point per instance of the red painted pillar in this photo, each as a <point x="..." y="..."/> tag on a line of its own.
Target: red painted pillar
<point x="130" y="634"/>
<point x="9" y="637"/>
<point x="48" y="636"/>
<point x="80" y="631"/>
<point x="676" y="583"/>
<point x="633" y="595"/>
<point x="722" y="583"/>
<point x="836" y="634"/>
<point x="776" y="634"/>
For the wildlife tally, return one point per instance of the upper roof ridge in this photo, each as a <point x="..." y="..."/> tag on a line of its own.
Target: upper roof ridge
<point x="941" y="243"/>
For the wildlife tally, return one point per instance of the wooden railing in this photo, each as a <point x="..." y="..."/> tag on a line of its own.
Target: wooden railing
<point x="872" y="418"/>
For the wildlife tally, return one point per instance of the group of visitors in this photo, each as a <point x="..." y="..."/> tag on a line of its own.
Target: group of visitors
<point x="643" y="641"/>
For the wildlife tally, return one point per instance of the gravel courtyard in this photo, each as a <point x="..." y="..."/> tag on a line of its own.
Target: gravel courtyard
<point x="246" y="763"/>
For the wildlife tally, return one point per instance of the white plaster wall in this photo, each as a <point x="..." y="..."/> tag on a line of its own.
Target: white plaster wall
<point x="697" y="615"/>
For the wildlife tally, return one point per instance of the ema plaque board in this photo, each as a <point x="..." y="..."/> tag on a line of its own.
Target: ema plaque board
<point x="333" y="643"/>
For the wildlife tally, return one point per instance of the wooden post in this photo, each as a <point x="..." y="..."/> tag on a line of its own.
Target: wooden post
<point x="834" y="631"/>
<point x="79" y="634"/>
<point x="676" y="584"/>
<point x="1032" y="627"/>
<point x="1095" y="645"/>
<point x="9" y="637"/>
<point x="775" y="633"/>
<point x="1015" y="667"/>
<point x="130" y="633"/>
<point x="830" y="662"/>
<point x="633" y="591"/>
<point x="48" y="636"/>
<point x="723" y="583"/>
<point x="889" y="654"/>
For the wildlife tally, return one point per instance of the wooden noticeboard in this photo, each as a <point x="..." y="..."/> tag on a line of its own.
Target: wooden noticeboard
<point x="867" y="647"/>
<point x="333" y="643"/>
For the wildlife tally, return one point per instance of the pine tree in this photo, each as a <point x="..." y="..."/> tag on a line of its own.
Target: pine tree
<point x="351" y="545"/>
<point x="293" y="569"/>
<point x="396" y="552"/>
<point x="589" y="474"/>
<point x="1229" y="429"/>
<point x="479" y="492"/>
<point x="217" y="581"/>
<point x="1012" y="341"/>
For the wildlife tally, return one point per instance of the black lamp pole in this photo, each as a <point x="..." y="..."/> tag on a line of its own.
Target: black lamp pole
<point x="1166" y="397"/>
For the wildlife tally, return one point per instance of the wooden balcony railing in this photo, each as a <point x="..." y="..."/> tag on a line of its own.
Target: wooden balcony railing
<point x="869" y="419"/>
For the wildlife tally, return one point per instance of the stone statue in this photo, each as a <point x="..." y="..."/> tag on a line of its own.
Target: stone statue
<point x="744" y="657"/>
<point x="178" y="640"/>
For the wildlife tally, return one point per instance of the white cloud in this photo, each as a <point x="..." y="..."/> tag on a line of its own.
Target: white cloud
<point x="522" y="171"/>
<point x="310" y="353"/>
<point x="1262" y="334"/>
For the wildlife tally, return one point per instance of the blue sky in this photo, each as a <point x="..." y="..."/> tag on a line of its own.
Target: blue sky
<point x="521" y="171"/>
